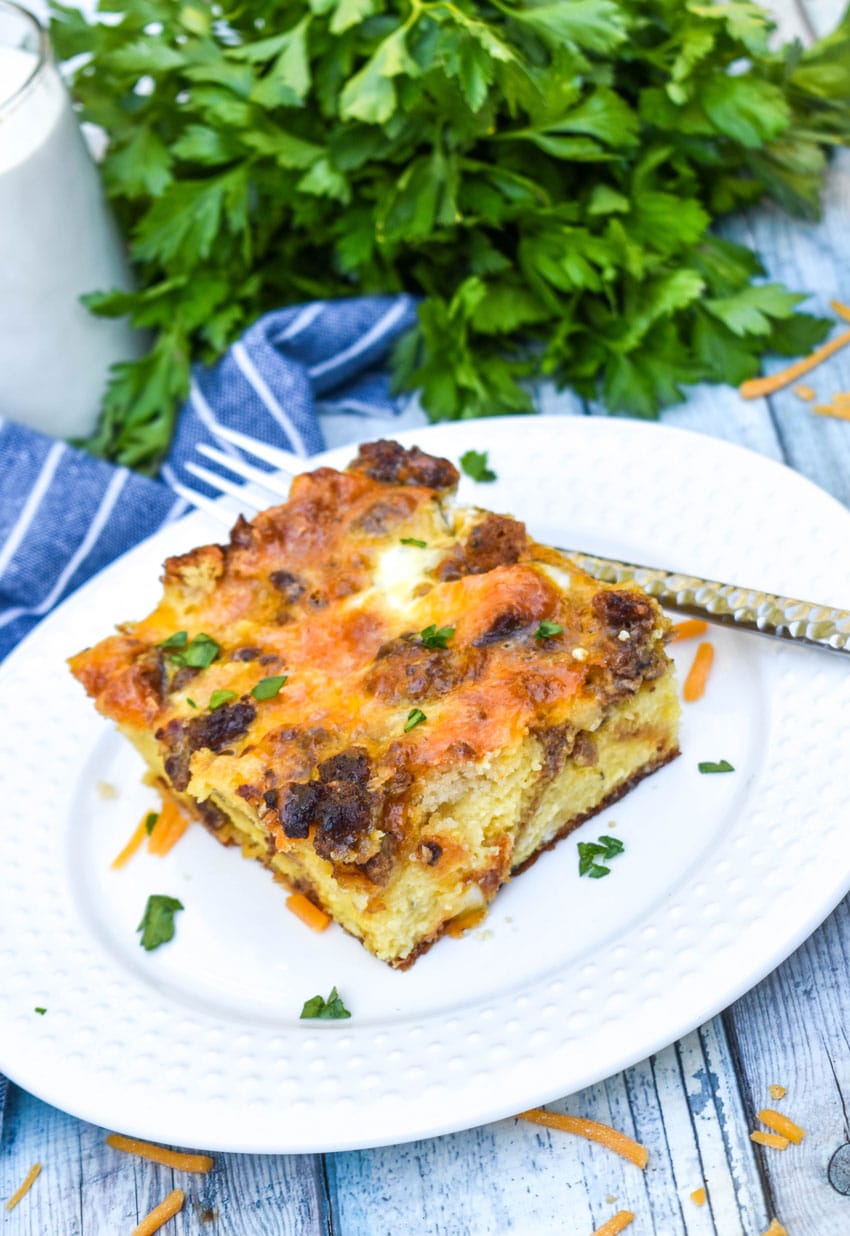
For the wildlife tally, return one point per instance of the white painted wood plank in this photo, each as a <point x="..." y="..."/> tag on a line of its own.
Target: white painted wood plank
<point x="793" y="1030"/>
<point x="822" y="15"/>
<point x="88" y="1189"/>
<point x="816" y="257"/>
<point x="516" y="1177"/>
<point x="29" y="1137"/>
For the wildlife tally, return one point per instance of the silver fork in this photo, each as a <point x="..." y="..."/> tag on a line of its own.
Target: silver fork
<point x="729" y="605"/>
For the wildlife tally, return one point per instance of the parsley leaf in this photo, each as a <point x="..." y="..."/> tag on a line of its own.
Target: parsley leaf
<point x="221" y="696"/>
<point x="267" y="688"/>
<point x="431" y="637"/>
<point x="412" y="540"/>
<point x="589" y="851"/>
<point x="178" y="640"/>
<point x="563" y="166"/>
<point x="39" y="1010"/>
<point x="722" y="766"/>
<point x="547" y="630"/>
<point x="199" y="653"/>
<point x="157" y="925"/>
<point x="331" y="1009"/>
<point x="415" y="717"/>
<point x="474" y="464"/>
<point x="612" y="846"/>
<point x="150" y="821"/>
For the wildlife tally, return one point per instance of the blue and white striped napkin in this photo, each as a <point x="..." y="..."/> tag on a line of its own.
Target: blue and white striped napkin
<point x="65" y="515"/>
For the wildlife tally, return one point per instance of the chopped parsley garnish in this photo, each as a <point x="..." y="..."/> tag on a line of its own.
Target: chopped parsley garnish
<point x="547" y="629"/>
<point x="589" y="851"/>
<point x="412" y="540"/>
<point x="613" y="846"/>
<point x="415" y="717"/>
<point x="38" y="1010"/>
<point x="708" y="766"/>
<point x="431" y="637"/>
<point x="198" y="653"/>
<point x="221" y="696"/>
<point x="150" y="821"/>
<point x="157" y="925"/>
<point x="266" y="688"/>
<point x="474" y="464"/>
<point x="331" y="1009"/>
<point x="191" y="702"/>
<point x="201" y="652"/>
<point x="178" y="640"/>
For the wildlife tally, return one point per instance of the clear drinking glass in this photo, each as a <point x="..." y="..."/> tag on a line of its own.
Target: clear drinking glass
<point x="57" y="241"/>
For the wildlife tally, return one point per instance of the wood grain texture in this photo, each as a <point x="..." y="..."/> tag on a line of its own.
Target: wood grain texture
<point x="515" y="1177"/>
<point x="88" y="1189"/>
<point x="792" y="1028"/>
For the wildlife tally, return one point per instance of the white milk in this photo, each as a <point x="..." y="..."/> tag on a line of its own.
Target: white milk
<point x="57" y="241"/>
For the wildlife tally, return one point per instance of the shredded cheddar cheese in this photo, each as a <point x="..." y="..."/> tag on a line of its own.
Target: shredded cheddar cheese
<point x="781" y="1124"/>
<point x="24" y="1187"/>
<point x="617" y="1223"/>
<point x="775" y="1229"/>
<point x="178" y="1159"/>
<point x="160" y="1214"/>
<point x="689" y="628"/>
<point x="777" y="1092"/>
<point x="698" y="1196"/>
<point x="697" y="677"/>
<point x="620" y="1143"/>
<point x="758" y="387"/>
<point x="169" y="828"/>
<point x="303" y="908"/>
<point x="839" y="408"/>
<point x="774" y="1140"/>
<point x="804" y="392"/>
<point x="132" y="845"/>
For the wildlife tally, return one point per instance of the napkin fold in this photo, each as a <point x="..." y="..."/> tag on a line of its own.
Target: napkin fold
<point x="65" y="515"/>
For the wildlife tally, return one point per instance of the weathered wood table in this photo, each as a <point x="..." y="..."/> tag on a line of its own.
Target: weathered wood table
<point x="692" y="1104"/>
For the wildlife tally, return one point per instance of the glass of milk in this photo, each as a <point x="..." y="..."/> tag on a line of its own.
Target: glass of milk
<point x="57" y="241"/>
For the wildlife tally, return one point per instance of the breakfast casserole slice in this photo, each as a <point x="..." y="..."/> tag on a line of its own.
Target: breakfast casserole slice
<point x="393" y="701"/>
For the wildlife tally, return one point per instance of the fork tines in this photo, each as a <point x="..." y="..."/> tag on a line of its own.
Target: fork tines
<point x="275" y="483"/>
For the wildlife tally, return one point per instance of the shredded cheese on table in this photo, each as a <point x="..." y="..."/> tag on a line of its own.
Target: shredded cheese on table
<point x="698" y="1196"/>
<point x="775" y="1229"/>
<point x="781" y="1124"/>
<point x="24" y="1187"/>
<point x="777" y="1092"/>
<point x="178" y="1159"/>
<point x="615" y="1224"/>
<point x="620" y="1143"/>
<point x="775" y="1140"/>
<point x="757" y="387"/>
<point x="839" y="408"/>
<point x="160" y="1214"/>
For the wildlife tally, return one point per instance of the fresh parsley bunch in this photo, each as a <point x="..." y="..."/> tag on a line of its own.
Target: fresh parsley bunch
<point x="544" y="173"/>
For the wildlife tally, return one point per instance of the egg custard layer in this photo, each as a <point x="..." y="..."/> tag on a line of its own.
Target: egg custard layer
<point x="392" y="701"/>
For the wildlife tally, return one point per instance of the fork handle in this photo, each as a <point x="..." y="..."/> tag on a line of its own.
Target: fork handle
<point x="729" y="605"/>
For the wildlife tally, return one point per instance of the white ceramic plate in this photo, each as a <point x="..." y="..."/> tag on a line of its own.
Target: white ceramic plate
<point x="567" y="981"/>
